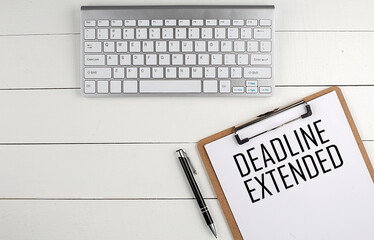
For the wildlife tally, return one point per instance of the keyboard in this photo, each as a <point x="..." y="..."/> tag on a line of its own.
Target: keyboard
<point x="177" y="50"/>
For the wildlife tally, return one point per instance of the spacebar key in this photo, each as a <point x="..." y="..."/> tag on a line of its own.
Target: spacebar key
<point x="170" y="86"/>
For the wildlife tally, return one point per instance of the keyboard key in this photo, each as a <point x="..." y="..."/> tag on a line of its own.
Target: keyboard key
<point x="210" y="72"/>
<point x="103" y="23"/>
<point x="167" y="33"/>
<point x="224" y="86"/>
<point x="115" y="86"/>
<point x="131" y="73"/>
<point x="138" y="59"/>
<point x="141" y="33"/>
<point x="92" y="47"/>
<point x="233" y="33"/>
<point x="94" y="60"/>
<point x="243" y="59"/>
<point x="224" y="22"/>
<point x="118" y="72"/>
<point x="177" y="59"/>
<point x="223" y="72"/>
<point x="184" y="72"/>
<point x="190" y="59"/>
<point x="174" y="46"/>
<point x="154" y="33"/>
<point x="130" y="86"/>
<point x="251" y="83"/>
<point x="157" y="72"/>
<point x="197" y="22"/>
<point x="193" y="33"/>
<point x="90" y="23"/>
<point x="148" y="46"/>
<point x="184" y="22"/>
<point x="245" y="33"/>
<point x="89" y="87"/>
<point x="236" y="72"/>
<point x="157" y="23"/>
<point x="143" y="23"/>
<point x="181" y="33"/>
<point x="260" y="59"/>
<point x="251" y="89"/>
<point x="130" y="23"/>
<point x="160" y="46"/>
<point x="265" y="22"/>
<point x="238" y="89"/>
<point x="257" y="72"/>
<point x="151" y="59"/>
<point x="134" y="46"/>
<point x="265" y="46"/>
<point x="115" y="33"/>
<point x="89" y="34"/>
<point x="121" y="46"/>
<point x="207" y="33"/>
<point x="220" y="33"/>
<point x="210" y="86"/>
<point x="197" y="72"/>
<point x="239" y="46"/>
<point x="230" y="59"/>
<point x="213" y="46"/>
<point x="203" y="59"/>
<point x="102" y="87"/>
<point x="125" y="59"/>
<point x="226" y="46"/>
<point x="216" y="59"/>
<point x="211" y="22"/>
<point x="97" y="73"/>
<point x="251" y="22"/>
<point x="128" y="33"/>
<point x="108" y="47"/>
<point x="187" y="46"/>
<point x="252" y="46"/>
<point x="171" y="72"/>
<point x="116" y="23"/>
<point x="200" y="46"/>
<point x="265" y="89"/>
<point x="237" y="22"/>
<point x="164" y="59"/>
<point x="170" y="86"/>
<point x="145" y="72"/>
<point x="170" y="22"/>
<point x="262" y="33"/>
<point x="102" y="33"/>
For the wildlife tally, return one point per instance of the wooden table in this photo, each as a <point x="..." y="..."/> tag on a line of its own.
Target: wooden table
<point x="79" y="168"/>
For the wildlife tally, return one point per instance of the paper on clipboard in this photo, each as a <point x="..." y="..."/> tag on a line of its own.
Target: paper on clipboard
<point x="337" y="204"/>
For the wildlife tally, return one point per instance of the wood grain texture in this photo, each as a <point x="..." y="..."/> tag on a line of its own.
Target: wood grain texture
<point x="60" y="116"/>
<point x="56" y="17"/>
<point x="307" y="58"/>
<point x="101" y="171"/>
<point x="109" y="220"/>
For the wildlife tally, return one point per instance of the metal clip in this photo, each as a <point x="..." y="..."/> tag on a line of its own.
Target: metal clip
<point x="268" y="115"/>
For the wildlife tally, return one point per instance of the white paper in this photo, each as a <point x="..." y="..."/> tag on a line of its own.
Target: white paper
<point x="338" y="204"/>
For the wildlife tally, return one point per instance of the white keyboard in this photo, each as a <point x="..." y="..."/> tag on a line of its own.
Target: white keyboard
<point x="177" y="50"/>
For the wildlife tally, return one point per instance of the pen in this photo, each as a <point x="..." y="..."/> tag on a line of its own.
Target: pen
<point x="186" y="163"/>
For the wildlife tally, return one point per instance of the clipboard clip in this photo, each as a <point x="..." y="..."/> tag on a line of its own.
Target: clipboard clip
<point x="269" y="114"/>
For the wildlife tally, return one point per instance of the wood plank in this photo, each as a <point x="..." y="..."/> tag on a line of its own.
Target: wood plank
<point x="110" y="220"/>
<point x="51" y="17"/>
<point x="98" y="171"/>
<point x="65" y="116"/>
<point x="301" y="59"/>
<point x="135" y="171"/>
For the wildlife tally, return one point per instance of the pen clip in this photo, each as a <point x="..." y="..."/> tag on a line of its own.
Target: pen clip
<point x="182" y="153"/>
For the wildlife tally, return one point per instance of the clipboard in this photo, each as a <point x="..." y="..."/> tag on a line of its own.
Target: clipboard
<point x="241" y="140"/>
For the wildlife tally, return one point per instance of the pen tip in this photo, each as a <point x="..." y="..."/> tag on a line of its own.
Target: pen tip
<point x="213" y="229"/>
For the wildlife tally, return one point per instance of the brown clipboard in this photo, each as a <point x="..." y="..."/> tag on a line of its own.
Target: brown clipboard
<point x="214" y="180"/>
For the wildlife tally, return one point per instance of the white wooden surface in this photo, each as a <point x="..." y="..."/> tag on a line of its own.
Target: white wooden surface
<point x="78" y="168"/>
